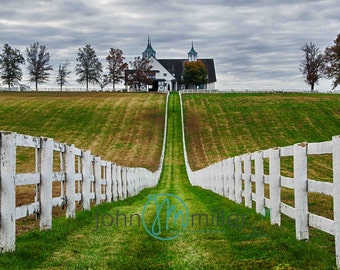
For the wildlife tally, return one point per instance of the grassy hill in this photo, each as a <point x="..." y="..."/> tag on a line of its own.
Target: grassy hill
<point x="118" y="127"/>
<point x="254" y="245"/>
<point x="219" y="126"/>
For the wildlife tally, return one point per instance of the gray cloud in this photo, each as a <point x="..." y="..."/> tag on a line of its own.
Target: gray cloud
<point x="255" y="44"/>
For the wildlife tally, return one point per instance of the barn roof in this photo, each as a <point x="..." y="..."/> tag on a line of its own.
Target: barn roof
<point x="176" y="67"/>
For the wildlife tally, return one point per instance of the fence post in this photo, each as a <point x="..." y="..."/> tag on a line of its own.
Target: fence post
<point x="247" y="181"/>
<point x="212" y="176"/>
<point x="133" y="181"/>
<point x="300" y="191"/>
<point x="139" y="180"/>
<point x="114" y="182"/>
<point x="119" y="181"/>
<point x="86" y="170"/>
<point x="274" y="186"/>
<point x="220" y="178"/>
<point x="46" y="171"/>
<point x="7" y="205"/>
<point x="225" y="178"/>
<point x="231" y="180"/>
<point x="108" y="182"/>
<point x="124" y="190"/>
<point x="259" y="183"/>
<point x="336" y="195"/>
<point x="70" y="183"/>
<point x="238" y="179"/>
<point x="127" y="181"/>
<point x="97" y="179"/>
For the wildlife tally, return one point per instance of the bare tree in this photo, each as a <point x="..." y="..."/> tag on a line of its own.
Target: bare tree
<point x="10" y="61"/>
<point x="38" y="63"/>
<point x="312" y="66"/>
<point x="89" y="67"/>
<point x="116" y="66"/>
<point x="332" y="58"/>
<point x="140" y="73"/>
<point x="63" y="73"/>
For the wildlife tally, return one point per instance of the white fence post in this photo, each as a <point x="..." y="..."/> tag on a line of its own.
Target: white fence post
<point x="220" y="178"/>
<point x="134" y="172"/>
<point x="7" y="205"/>
<point x="70" y="183"/>
<point x="231" y="180"/>
<point x="225" y="178"/>
<point x="97" y="179"/>
<point x="46" y="171"/>
<point x="259" y="183"/>
<point x="247" y="181"/>
<point x="114" y="182"/>
<point x="300" y="191"/>
<point x="238" y="179"/>
<point x="124" y="187"/>
<point x="127" y="181"/>
<point x="108" y="182"/>
<point x="119" y="181"/>
<point x="86" y="187"/>
<point x="274" y="185"/>
<point x="336" y="195"/>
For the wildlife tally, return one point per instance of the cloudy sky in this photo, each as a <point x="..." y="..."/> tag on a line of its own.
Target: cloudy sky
<point x="255" y="44"/>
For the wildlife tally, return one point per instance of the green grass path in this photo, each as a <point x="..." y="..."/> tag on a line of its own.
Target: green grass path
<point x="93" y="241"/>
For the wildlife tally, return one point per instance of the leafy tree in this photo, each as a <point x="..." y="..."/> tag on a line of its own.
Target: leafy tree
<point x="140" y="73"/>
<point x="38" y="63"/>
<point x="89" y="67"/>
<point x="195" y="73"/>
<point x="332" y="58"/>
<point x="10" y="61"/>
<point x="116" y="66"/>
<point x="312" y="66"/>
<point x="63" y="73"/>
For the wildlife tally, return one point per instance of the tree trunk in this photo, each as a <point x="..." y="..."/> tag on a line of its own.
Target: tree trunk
<point x="312" y="87"/>
<point x="113" y="86"/>
<point x="36" y="85"/>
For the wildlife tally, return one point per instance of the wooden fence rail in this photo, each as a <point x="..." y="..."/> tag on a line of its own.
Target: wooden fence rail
<point x="83" y="178"/>
<point x="244" y="91"/>
<point x="242" y="179"/>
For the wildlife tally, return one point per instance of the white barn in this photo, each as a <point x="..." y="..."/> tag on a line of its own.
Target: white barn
<point x="167" y="73"/>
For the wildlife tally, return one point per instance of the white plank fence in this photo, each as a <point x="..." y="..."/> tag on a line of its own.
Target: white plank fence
<point x="234" y="177"/>
<point x="244" y="91"/>
<point x="83" y="178"/>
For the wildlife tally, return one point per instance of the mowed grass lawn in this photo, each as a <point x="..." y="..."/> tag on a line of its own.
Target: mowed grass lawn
<point x="219" y="126"/>
<point x="125" y="128"/>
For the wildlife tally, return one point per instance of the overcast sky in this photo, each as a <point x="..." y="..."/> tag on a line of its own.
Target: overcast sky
<point x="255" y="44"/>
